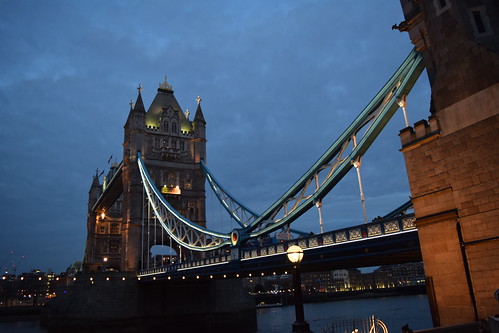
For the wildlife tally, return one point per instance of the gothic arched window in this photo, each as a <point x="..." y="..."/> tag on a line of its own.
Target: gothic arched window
<point x="191" y="211"/>
<point x="172" y="180"/>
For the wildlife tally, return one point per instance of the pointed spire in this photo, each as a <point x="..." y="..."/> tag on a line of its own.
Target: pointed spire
<point x="165" y="85"/>
<point x="199" y="117"/>
<point x="95" y="181"/>
<point x="139" y="105"/>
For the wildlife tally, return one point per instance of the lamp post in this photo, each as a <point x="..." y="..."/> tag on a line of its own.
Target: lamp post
<point x="295" y="255"/>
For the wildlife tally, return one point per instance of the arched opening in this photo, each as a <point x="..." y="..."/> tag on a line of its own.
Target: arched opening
<point x="162" y="255"/>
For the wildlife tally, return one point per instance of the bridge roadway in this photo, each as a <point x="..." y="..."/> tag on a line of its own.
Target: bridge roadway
<point x="382" y="242"/>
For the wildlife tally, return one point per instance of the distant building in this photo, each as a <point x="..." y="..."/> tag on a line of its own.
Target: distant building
<point x="390" y="276"/>
<point x="341" y="280"/>
<point x="409" y="274"/>
<point x="318" y="282"/>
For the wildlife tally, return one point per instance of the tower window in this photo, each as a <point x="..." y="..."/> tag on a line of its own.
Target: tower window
<point x="172" y="179"/>
<point x="114" y="246"/>
<point x="164" y="125"/>
<point x="191" y="211"/>
<point x="477" y="17"/>
<point x="441" y="6"/>
<point x="115" y="228"/>
<point x="157" y="142"/>
<point x="479" y="21"/>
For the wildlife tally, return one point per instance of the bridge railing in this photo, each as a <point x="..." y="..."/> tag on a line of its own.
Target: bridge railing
<point x="204" y="262"/>
<point x="377" y="228"/>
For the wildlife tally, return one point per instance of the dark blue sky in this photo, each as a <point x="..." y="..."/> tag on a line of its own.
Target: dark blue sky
<point x="279" y="81"/>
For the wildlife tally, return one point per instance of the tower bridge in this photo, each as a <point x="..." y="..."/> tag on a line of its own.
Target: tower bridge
<point x="163" y="173"/>
<point x="157" y="192"/>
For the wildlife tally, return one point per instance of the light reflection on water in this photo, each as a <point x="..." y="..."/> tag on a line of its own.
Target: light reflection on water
<point x="394" y="311"/>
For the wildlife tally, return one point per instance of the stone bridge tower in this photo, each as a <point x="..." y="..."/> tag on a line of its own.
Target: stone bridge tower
<point x="452" y="158"/>
<point x="172" y="147"/>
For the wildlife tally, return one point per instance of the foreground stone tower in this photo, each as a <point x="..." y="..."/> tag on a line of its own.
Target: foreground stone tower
<point x="172" y="146"/>
<point x="452" y="158"/>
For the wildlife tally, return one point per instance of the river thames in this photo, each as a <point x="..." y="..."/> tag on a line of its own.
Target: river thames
<point x="394" y="311"/>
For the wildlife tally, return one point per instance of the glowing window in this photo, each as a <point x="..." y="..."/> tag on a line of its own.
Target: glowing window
<point x="115" y="228"/>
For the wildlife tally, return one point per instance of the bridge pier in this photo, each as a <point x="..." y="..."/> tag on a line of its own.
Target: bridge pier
<point x="195" y="306"/>
<point x="120" y="301"/>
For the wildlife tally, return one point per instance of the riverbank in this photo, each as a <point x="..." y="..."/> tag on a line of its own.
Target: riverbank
<point x="288" y="298"/>
<point x="22" y="313"/>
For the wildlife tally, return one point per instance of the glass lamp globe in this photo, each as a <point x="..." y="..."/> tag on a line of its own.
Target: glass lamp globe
<point x="295" y="254"/>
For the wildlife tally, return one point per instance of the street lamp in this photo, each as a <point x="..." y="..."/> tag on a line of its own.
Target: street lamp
<point x="104" y="266"/>
<point x="295" y="255"/>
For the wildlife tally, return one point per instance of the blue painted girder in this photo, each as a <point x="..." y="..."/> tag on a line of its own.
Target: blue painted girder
<point x="379" y="111"/>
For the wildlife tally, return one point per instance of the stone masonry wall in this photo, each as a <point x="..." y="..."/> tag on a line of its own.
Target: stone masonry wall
<point x="454" y="178"/>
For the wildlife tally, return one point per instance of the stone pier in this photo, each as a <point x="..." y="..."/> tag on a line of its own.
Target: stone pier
<point x="122" y="303"/>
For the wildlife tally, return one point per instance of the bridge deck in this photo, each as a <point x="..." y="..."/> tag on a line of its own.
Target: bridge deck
<point x="377" y="243"/>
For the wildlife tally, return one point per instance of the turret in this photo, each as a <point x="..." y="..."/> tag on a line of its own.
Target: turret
<point x="95" y="190"/>
<point x="134" y="128"/>
<point x="199" y="122"/>
<point x="199" y="125"/>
